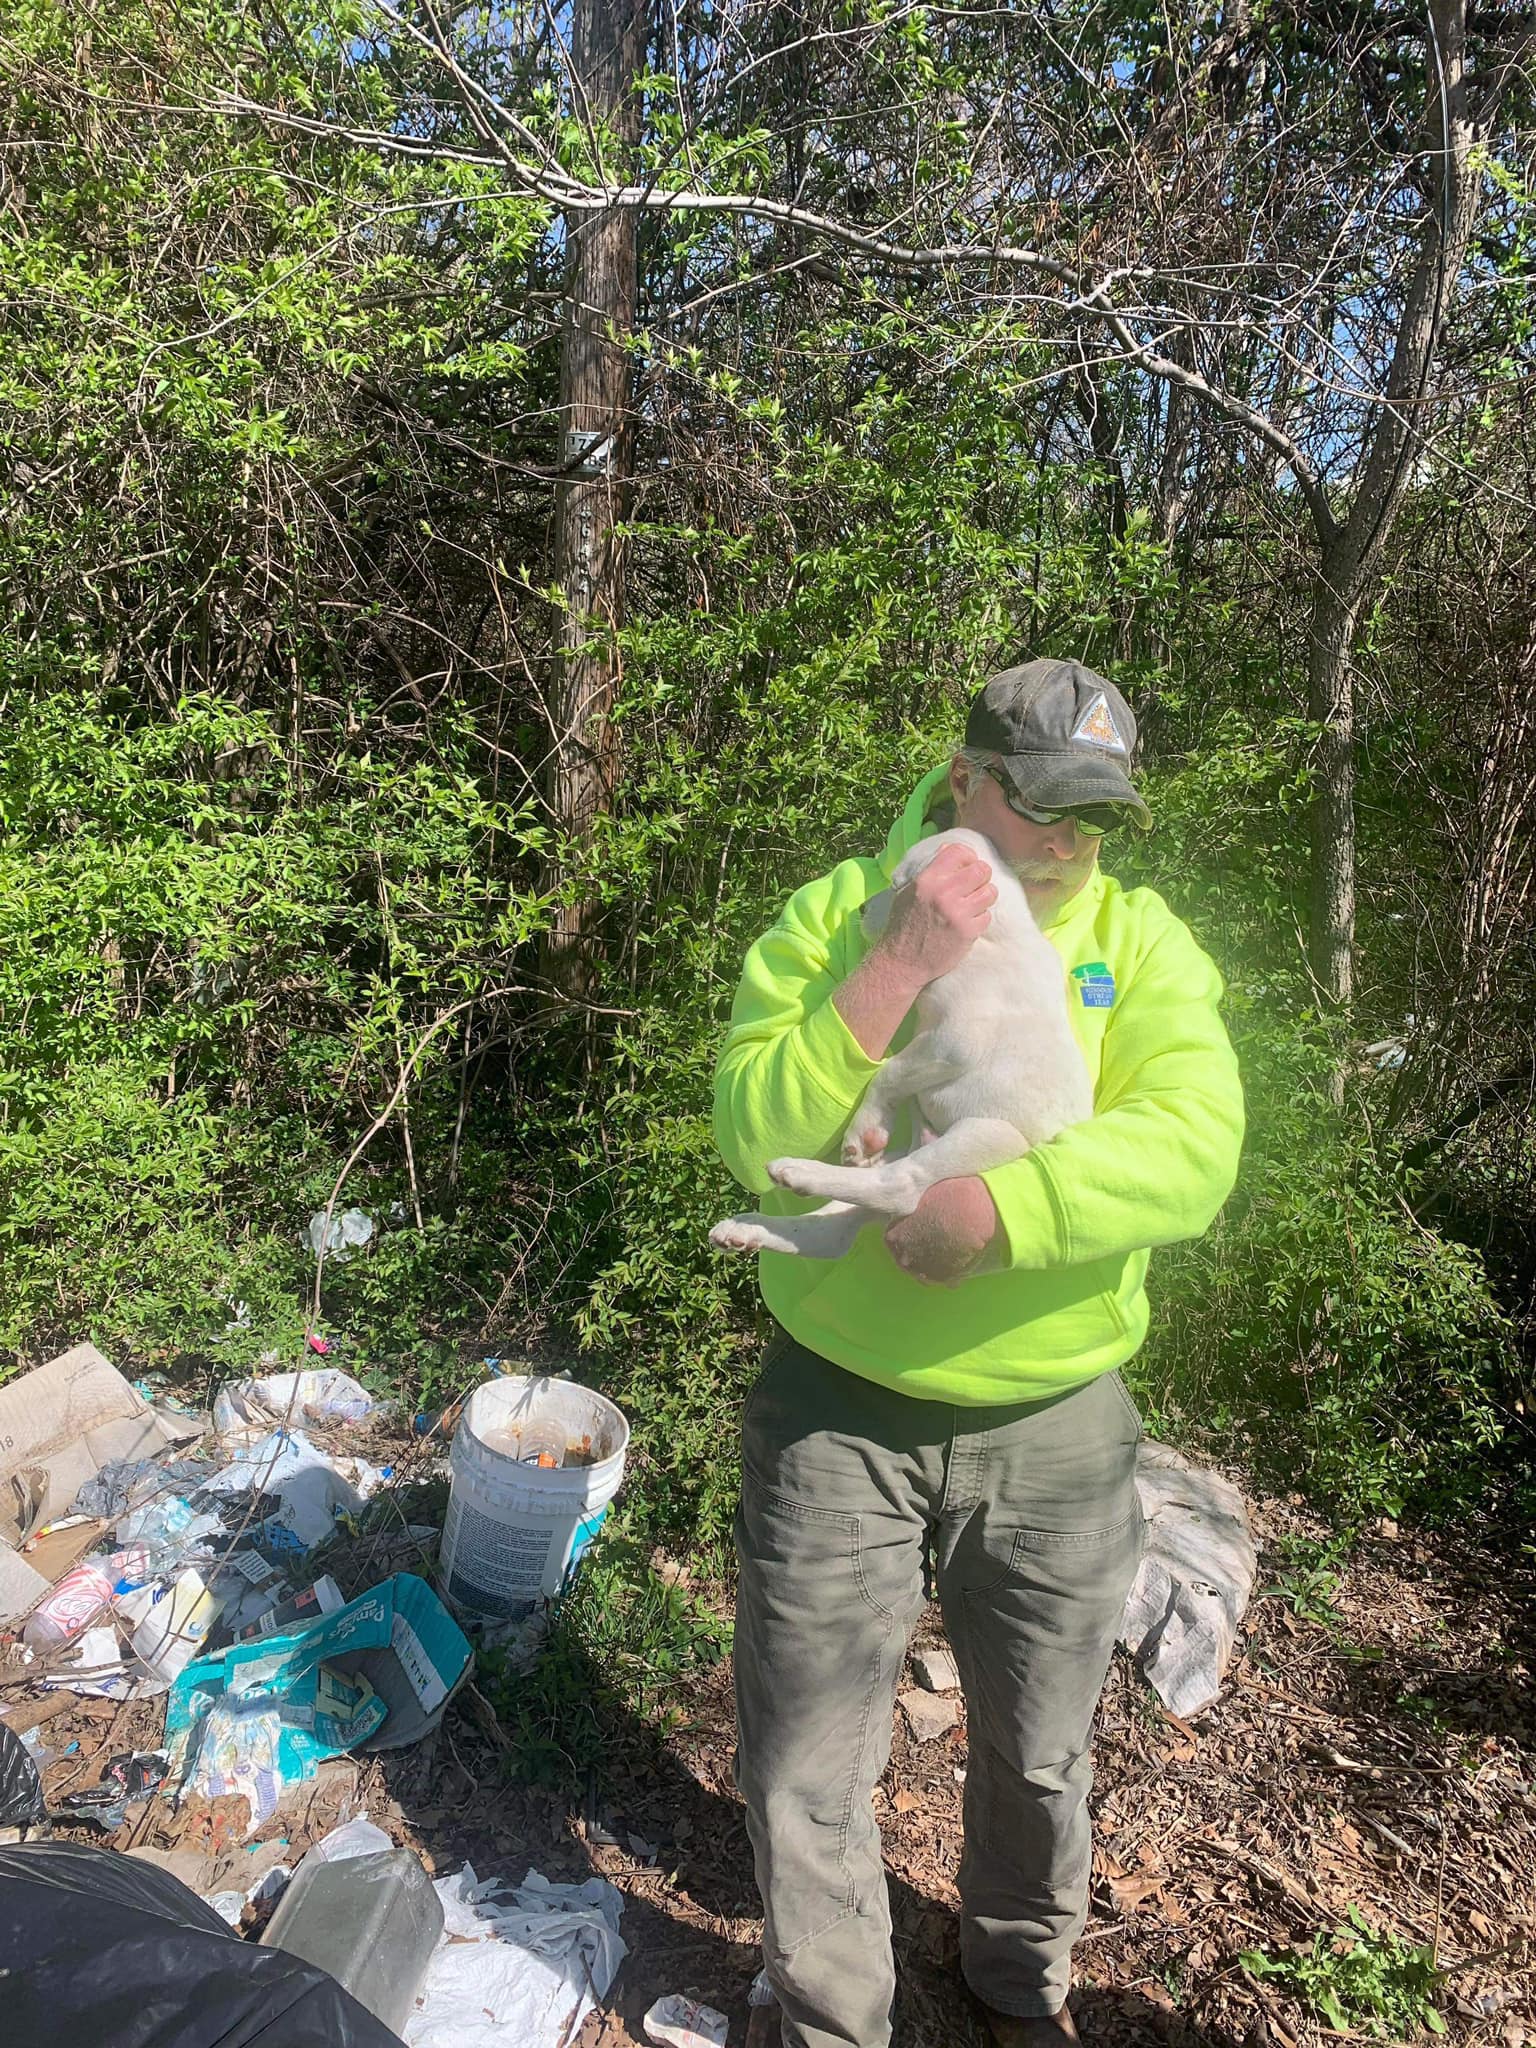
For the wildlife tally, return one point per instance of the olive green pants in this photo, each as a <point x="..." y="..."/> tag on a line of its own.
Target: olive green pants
<point x="1025" y="1521"/>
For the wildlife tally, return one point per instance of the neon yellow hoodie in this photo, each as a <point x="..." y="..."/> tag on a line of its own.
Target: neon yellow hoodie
<point x="1153" y="1164"/>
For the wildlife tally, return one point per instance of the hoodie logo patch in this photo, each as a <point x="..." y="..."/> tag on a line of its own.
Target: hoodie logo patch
<point x="1097" y="728"/>
<point x="1095" y="985"/>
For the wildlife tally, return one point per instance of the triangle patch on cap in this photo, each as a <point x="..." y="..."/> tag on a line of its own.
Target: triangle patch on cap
<point x="1097" y="728"/>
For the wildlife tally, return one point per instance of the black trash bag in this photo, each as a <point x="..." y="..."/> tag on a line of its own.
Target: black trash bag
<point x="21" y="1789"/>
<point x="104" y="1951"/>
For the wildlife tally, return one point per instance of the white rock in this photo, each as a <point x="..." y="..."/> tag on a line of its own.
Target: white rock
<point x="936" y="1671"/>
<point x="928" y="1716"/>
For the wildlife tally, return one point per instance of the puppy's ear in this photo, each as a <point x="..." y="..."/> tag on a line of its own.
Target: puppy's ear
<point x="876" y="914"/>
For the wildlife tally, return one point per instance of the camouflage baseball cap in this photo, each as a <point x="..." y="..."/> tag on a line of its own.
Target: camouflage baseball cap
<point x="1064" y="735"/>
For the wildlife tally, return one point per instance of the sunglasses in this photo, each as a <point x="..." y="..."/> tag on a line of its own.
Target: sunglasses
<point x="1093" y="820"/>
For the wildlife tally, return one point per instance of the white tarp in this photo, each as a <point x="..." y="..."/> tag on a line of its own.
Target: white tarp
<point x="1195" y="1581"/>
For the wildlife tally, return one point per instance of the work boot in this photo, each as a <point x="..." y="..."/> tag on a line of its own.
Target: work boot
<point x="1048" y="2030"/>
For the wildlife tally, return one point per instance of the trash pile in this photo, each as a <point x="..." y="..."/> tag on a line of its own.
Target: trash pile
<point x="132" y="1533"/>
<point x="149" y="1554"/>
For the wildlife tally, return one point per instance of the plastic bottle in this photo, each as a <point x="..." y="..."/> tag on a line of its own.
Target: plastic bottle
<point x="169" y="1527"/>
<point x="81" y="1597"/>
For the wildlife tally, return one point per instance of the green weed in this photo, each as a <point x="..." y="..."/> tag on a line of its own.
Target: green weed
<point x="1310" y="1582"/>
<point x="1360" y="1978"/>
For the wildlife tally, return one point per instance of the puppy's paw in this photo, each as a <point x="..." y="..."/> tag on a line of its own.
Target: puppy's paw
<point x="798" y="1175"/>
<point x="748" y="1234"/>
<point x="864" y="1145"/>
<point x="733" y="1234"/>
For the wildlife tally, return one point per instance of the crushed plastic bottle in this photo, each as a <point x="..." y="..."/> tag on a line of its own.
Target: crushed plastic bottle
<point x="168" y="1528"/>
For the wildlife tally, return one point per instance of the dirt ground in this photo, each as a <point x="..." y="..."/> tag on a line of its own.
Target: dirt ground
<point x="1381" y="1758"/>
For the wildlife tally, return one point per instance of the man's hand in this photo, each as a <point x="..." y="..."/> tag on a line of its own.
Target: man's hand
<point x="940" y="914"/>
<point x="948" y="1234"/>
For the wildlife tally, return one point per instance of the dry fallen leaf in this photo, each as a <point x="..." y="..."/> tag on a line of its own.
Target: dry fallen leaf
<point x="1130" y="1892"/>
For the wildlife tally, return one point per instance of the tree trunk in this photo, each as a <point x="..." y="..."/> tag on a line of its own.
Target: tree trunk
<point x="1331" y="706"/>
<point x="1349" y="553"/>
<point x="607" y="52"/>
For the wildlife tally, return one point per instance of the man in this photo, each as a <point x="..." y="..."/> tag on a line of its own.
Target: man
<point x="973" y="1435"/>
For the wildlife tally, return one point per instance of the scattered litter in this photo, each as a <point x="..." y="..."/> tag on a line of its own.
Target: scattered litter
<point x="249" y="1587"/>
<point x="344" y="1234"/>
<point x="928" y="1715"/>
<point x="311" y="1488"/>
<point x="170" y="1530"/>
<point x="170" y="1623"/>
<point x="109" y="1493"/>
<point x="60" y="1424"/>
<point x="1195" y="1581"/>
<point x="323" y="1597"/>
<point x="518" y="1971"/>
<point x="675" y="2022"/>
<point x="80" y="1598"/>
<point x="261" y="1750"/>
<point x="93" y="1663"/>
<point x="936" y="1671"/>
<point x="372" y="1922"/>
<point x="261" y="1717"/>
<point x="128" y="1780"/>
<point x="323" y="1394"/>
<point x="760" y="1991"/>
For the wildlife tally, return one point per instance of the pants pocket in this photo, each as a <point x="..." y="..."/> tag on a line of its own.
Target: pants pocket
<point x="1121" y="1392"/>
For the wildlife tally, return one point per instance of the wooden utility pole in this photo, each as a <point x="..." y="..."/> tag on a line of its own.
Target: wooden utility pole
<point x="608" y="46"/>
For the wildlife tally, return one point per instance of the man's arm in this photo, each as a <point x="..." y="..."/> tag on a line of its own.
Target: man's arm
<point x="802" y="1048"/>
<point x="930" y="926"/>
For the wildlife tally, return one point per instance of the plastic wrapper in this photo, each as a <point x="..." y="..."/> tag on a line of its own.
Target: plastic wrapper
<point x="675" y="2022"/>
<point x="377" y="1673"/>
<point x="312" y="1489"/>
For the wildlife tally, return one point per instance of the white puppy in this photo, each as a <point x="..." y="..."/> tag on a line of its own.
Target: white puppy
<point x="993" y="1069"/>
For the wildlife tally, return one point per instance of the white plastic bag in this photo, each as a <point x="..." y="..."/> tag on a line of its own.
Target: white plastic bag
<point x="518" y="1966"/>
<point x="323" y="1394"/>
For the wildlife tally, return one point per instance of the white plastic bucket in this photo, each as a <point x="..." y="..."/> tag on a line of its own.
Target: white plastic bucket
<point x="515" y="1532"/>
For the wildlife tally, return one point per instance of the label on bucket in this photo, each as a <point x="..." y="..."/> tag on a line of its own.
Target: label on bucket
<point x="496" y="1565"/>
